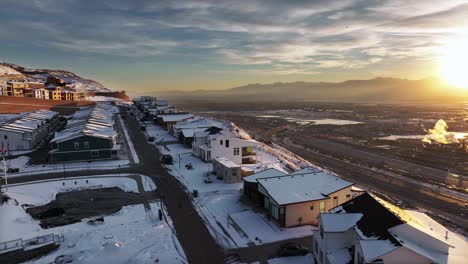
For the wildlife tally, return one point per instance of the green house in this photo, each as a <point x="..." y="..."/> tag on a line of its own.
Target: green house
<point x="81" y="147"/>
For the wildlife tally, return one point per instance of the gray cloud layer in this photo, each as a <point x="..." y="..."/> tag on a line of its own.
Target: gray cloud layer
<point x="288" y="36"/>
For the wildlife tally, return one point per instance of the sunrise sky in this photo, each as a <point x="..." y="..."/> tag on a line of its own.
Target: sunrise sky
<point x="183" y="45"/>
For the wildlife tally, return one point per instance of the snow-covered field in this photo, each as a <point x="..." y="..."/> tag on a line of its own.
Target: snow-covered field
<point x="144" y="238"/>
<point x="42" y="192"/>
<point x="307" y="259"/>
<point x="219" y="203"/>
<point x="5" y="70"/>
<point x="28" y="169"/>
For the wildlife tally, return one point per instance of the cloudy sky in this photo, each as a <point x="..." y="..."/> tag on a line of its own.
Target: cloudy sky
<point x="182" y="45"/>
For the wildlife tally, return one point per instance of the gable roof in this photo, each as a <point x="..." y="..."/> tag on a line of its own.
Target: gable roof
<point x="376" y="219"/>
<point x="338" y="222"/>
<point x="300" y="188"/>
<point x="268" y="173"/>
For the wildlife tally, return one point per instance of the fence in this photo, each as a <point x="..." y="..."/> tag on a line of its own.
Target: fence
<point x="33" y="242"/>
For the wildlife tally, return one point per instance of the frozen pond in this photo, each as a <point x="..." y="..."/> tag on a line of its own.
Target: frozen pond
<point x="325" y="121"/>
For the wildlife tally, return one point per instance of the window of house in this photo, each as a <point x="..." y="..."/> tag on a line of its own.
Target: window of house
<point x="221" y="142"/>
<point x="236" y="151"/>
<point x="227" y="143"/>
<point x="95" y="153"/>
<point x="312" y="207"/>
<point x="335" y="201"/>
<point x="5" y="137"/>
<point x="275" y="211"/>
<point x="77" y="145"/>
<point x="322" y="207"/>
<point x="86" y="145"/>
<point x="348" y="197"/>
<point x="234" y="173"/>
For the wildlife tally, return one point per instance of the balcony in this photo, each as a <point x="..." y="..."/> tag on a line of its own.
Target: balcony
<point x="248" y="151"/>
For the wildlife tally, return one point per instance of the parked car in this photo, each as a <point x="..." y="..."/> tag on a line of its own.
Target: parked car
<point x="291" y="249"/>
<point x="166" y="159"/>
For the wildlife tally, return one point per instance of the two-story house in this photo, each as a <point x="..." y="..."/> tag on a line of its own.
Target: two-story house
<point x="367" y="229"/>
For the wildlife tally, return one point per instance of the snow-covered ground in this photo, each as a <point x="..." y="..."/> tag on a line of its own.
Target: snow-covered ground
<point x="144" y="238"/>
<point x="307" y="259"/>
<point x="136" y="160"/>
<point x="219" y="203"/>
<point x="28" y="169"/>
<point x="5" y="70"/>
<point x="42" y="192"/>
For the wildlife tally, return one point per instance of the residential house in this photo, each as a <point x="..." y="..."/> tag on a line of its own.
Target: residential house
<point x="79" y="94"/>
<point x="41" y="93"/>
<point x="17" y="87"/>
<point x="89" y="135"/>
<point x="227" y="170"/>
<point x="66" y="94"/>
<point x="185" y="130"/>
<point x="297" y="198"/>
<point x="29" y="91"/>
<point x="210" y="145"/>
<point x="4" y="88"/>
<point x="55" y="92"/>
<point x="28" y="131"/>
<point x="168" y="120"/>
<point x="367" y="229"/>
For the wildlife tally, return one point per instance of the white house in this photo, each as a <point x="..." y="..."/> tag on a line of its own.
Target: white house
<point x="41" y="93"/>
<point x="367" y="229"/>
<point x="28" y="131"/>
<point x="208" y="146"/>
<point x="297" y="198"/>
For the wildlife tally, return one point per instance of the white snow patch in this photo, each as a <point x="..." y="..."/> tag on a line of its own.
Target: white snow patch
<point x="307" y="259"/>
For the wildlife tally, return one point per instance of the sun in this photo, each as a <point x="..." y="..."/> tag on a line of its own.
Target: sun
<point x="453" y="63"/>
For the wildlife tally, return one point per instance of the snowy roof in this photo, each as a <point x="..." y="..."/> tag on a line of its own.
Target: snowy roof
<point x="373" y="248"/>
<point x="339" y="256"/>
<point x="189" y="132"/>
<point x="96" y="121"/>
<point x="201" y="134"/>
<point x="306" y="170"/>
<point x="29" y="122"/>
<point x="227" y="163"/>
<point x="338" y="222"/>
<point x="268" y="173"/>
<point x="302" y="187"/>
<point x="174" y="117"/>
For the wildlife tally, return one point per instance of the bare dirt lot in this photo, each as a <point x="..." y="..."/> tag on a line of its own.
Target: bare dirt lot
<point x="72" y="207"/>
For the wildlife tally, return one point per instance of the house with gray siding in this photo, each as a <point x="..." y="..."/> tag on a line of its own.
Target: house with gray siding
<point x="89" y="135"/>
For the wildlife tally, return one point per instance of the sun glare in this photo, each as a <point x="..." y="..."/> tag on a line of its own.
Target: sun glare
<point x="453" y="63"/>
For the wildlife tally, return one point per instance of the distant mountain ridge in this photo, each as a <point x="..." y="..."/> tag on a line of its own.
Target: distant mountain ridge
<point x="13" y="71"/>
<point x="373" y="90"/>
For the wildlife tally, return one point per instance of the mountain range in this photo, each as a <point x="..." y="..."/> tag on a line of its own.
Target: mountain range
<point x="373" y="90"/>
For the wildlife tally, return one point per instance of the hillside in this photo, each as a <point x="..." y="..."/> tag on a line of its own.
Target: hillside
<point x="373" y="90"/>
<point x="8" y="70"/>
<point x="5" y="70"/>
